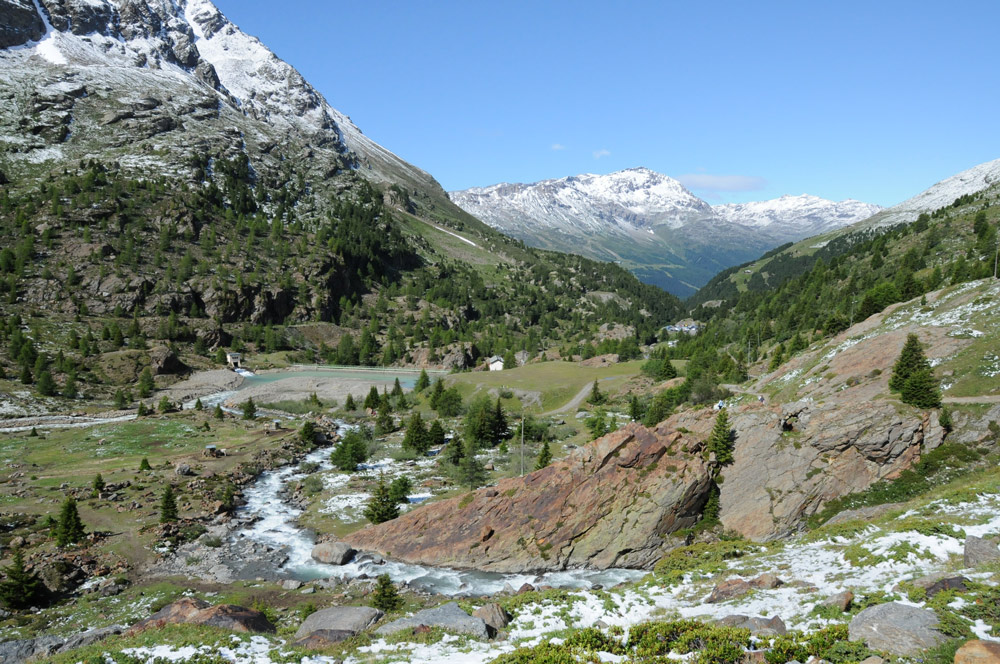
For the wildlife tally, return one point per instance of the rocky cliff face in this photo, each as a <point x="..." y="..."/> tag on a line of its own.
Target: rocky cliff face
<point x="157" y="83"/>
<point x="611" y="503"/>
<point x="608" y="504"/>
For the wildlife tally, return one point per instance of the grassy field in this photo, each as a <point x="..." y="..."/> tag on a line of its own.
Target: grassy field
<point x="555" y="383"/>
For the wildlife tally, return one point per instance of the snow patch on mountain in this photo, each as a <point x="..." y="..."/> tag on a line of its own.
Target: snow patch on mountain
<point x="797" y="217"/>
<point x="943" y="193"/>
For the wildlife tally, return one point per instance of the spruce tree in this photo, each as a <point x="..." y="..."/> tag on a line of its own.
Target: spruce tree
<point x="634" y="409"/>
<point x="164" y="405"/>
<point x="146" y="383"/>
<point x="69" y="389"/>
<point x="21" y="589"/>
<point x="423" y="382"/>
<point x="596" y="397"/>
<point x="435" y="434"/>
<point x="383" y="421"/>
<point x="470" y="470"/>
<point x="99" y="484"/>
<point x="349" y="404"/>
<point x="416" y="438"/>
<point x="372" y="400"/>
<point x="144" y="465"/>
<point x="911" y="360"/>
<point x="141" y="411"/>
<point x="249" y="409"/>
<point x="168" y="505"/>
<point x="46" y="385"/>
<point x="120" y="402"/>
<point x="721" y="439"/>
<point x="921" y="390"/>
<point x="218" y="413"/>
<point x="397" y="389"/>
<point x="307" y="434"/>
<point x="400" y="489"/>
<point x="385" y="597"/>
<point x="382" y="506"/>
<point x="198" y="405"/>
<point x="944" y="419"/>
<point x="69" y="527"/>
<point x="455" y="451"/>
<point x="544" y="456"/>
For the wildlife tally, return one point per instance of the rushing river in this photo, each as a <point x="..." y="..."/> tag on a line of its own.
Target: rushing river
<point x="276" y="525"/>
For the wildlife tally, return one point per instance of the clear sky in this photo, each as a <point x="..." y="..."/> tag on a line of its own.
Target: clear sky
<point x="873" y="100"/>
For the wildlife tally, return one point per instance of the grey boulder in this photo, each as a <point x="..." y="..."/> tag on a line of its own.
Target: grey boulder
<point x="896" y="628"/>
<point x="448" y="616"/>
<point x="353" y="619"/>
<point x="333" y="553"/>
<point x="979" y="551"/>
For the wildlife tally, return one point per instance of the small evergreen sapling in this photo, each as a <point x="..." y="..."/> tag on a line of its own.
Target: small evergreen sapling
<point x="382" y="506"/>
<point x="249" y="409"/>
<point x="721" y="439"/>
<point x="385" y="597"/>
<point x="69" y="527"/>
<point x="168" y="506"/>
<point x="144" y="465"/>
<point x="544" y="456"/>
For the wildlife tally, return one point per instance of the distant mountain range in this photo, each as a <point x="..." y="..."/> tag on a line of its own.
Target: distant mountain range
<point x="651" y="224"/>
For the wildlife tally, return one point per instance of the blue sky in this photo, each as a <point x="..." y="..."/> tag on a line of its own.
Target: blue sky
<point x="740" y="100"/>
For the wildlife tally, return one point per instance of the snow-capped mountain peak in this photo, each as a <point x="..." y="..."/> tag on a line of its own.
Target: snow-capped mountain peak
<point x="797" y="217"/>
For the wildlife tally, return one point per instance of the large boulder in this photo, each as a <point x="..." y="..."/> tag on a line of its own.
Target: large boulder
<point x="758" y="625"/>
<point x="979" y="551"/>
<point x="333" y="553"/>
<point x="608" y="504"/>
<point x="896" y="628"/>
<point x="191" y="611"/>
<point x="449" y="617"/>
<point x="493" y="615"/>
<point x="350" y="619"/>
<point x="978" y="652"/>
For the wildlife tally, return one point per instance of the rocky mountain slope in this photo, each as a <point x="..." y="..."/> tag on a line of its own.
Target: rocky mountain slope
<point x="157" y="84"/>
<point x="834" y="429"/>
<point x="650" y="223"/>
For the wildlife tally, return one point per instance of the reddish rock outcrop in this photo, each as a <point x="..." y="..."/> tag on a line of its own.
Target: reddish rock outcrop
<point x="189" y="610"/>
<point x="608" y="504"/>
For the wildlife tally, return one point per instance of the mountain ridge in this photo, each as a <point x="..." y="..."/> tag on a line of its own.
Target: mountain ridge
<point x="651" y="223"/>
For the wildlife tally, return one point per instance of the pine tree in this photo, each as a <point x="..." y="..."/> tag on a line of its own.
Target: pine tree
<point x="349" y="404"/>
<point x="544" y="456"/>
<point x="99" y="484"/>
<point x="373" y="399"/>
<point x="921" y="390"/>
<point x="69" y="387"/>
<point x="144" y="465"/>
<point x="416" y="438"/>
<point x="435" y="434"/>
<point x="168" y="506"/>
<point x="141" y="411"/>
<point x="423" y="382"/>
<point x="721" y="439"/>
<point x="146" y="383"/>
<point x="120" y="402"/>
<point x="164" y="405"/>
<point x="470" y="470"/>
<point x="400" y="489"/>
<point x="307" y="434"/>
<point x="397" y="389"/>
<point x="69" y="527"/>
<point x="382" y="506"/>
<point x="944" y="419"/>
<point x="911" y="360"/>
<point x="634" y="409"/>
<point x="198" y="405"/>
<point x="383" y="421"/>
<point x="249" y="409"/>
<point x="46" y="385"/>
<point x="218" y="414"/>
<point x="455" y="451"/>
<point x="21" y="589"/>
<point x="385" y="597"/>
<point x="596" y="397"/>
<point x="351" y="451"/>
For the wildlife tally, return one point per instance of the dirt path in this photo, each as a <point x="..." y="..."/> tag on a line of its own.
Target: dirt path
<point x="577" y="400"/>
<point x="988" y="398"/>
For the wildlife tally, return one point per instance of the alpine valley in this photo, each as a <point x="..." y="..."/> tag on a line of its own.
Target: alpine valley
<point x="651" y="224"/>
<point x="269" y="394"/>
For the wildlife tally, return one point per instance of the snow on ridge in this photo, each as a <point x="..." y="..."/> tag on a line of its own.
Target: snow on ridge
<point x="943" y="193"/>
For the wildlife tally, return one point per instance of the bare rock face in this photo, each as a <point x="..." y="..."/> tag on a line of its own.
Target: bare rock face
<point x="606" y="505"/>
<point x="790" y="462"/>
<point x="19" y="23"/>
